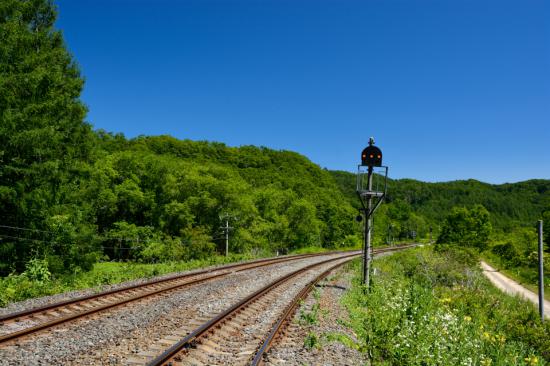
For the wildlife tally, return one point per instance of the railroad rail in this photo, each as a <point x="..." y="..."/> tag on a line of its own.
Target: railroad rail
<point x="227" y="323"/>
<point x="279" y="326"/>
<point x="51" y="315"/>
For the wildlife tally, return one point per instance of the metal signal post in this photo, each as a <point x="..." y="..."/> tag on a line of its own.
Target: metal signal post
<point x="370" y="198"/>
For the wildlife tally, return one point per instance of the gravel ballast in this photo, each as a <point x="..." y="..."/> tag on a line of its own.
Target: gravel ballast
<point x="292" y="350"/>
<point x="115" y="335"/>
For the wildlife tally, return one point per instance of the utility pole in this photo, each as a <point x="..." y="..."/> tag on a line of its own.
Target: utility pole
<point x="541" y="273"/>
<point x="226" y="229"/>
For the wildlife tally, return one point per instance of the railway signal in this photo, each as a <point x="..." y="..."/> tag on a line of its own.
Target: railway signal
<point x="371" y="195"/>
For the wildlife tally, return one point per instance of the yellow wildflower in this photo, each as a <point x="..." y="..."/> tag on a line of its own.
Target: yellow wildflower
<point x="467" y="318"/>
<point x="486" y="362"/>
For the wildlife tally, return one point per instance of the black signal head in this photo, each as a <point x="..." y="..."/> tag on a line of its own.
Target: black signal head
<point x="371" y="156"/>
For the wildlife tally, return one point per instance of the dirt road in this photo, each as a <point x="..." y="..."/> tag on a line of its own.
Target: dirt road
<point x="512" y="287"/>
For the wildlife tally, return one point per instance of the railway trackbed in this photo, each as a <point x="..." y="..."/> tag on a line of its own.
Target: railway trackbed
<point x="227" y="315"/>
<point x="243" y="333"/>
<point x="21" y="324"/>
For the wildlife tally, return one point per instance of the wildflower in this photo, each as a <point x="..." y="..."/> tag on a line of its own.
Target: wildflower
<point x="486" y="335"/>
<point x="532" y="360"/>
<point x="486" y="362"/>
<point x="467" y="318"/>
<point x="445" y="300"/>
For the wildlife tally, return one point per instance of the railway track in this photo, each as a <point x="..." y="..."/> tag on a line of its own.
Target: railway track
<point x="17" y="325"/>
<point x="233" y="336"/>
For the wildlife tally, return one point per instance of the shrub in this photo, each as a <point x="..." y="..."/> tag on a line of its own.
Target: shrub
<point x="467" y="227"/>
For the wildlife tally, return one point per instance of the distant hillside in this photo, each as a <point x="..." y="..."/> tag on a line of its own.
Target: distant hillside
<point x="510" y="204"/>
<point x="159" y="198"/>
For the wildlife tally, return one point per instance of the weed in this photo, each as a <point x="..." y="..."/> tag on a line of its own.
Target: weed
<point x="311" y="341"/>
<point x="310" y="317"/>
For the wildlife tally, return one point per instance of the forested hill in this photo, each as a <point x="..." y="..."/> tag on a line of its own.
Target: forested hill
<point x="70" y="196"/>
<point x="159" y="198"/>
<point x="510" y="205"/>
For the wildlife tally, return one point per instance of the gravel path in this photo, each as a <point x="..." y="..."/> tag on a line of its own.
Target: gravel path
<point x="512" y="287"/>
<point x="115" y="336"/>
<point x="325" y="307"/>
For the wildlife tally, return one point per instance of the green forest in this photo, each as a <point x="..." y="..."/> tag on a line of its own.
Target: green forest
<point x="71" y="196"/>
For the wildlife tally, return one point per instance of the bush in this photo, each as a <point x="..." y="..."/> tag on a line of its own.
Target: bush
<point x="37" y="270"/>
<point x="467" y="227"/>
<point x="509" y="253"/>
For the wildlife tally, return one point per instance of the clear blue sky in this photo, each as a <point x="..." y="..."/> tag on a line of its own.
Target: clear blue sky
<point x="451" y="89"/>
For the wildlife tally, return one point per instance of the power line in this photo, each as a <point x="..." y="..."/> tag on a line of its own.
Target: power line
<point x="25" y="229"/>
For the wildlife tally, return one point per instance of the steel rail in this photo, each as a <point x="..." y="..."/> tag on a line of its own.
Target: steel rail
<point x="192" y="337"/>
<point x="251" y="265"/>
<point x="43" y="308"/>
<point x="285" y="317"/>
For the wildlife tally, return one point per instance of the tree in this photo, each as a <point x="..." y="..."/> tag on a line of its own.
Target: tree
<point x="43" y="137"/>
<point x="546" y="229"/>
<point x="467" y="227"/>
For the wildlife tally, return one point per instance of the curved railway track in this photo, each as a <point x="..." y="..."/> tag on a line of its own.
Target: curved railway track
<point x="231" y="338"/>
<point x="17" y="325"/>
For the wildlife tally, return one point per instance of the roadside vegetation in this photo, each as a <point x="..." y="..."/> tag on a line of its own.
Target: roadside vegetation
<point x="434" y="307"/>
<point x="38" y="281"/>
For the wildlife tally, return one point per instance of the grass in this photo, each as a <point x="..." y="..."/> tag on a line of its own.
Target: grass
<point x="436" y="308"/>
<point x="24" y="286"/>
<point x="311" y="317"/>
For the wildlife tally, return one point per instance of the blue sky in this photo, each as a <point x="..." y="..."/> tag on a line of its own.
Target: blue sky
<point x="450" y="89"/>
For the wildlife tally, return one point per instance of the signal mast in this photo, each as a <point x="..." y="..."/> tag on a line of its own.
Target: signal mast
<point x="371" y="157"/>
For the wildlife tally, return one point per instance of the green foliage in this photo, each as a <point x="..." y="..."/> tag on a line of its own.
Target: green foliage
<point x="311" y="341"/>
<point x="38" y="281"/>
<point x="37" y="270"/>
<point x="311" y="316"/>
<point x="546" y="230"/>
<point x="516" y="253"/>
<point x="44" y="142"/>
<point x="467" y="227"/>
<point x="509" y="253"/>
<point x="510" y="205"/>
<point x="435" y="308"/>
